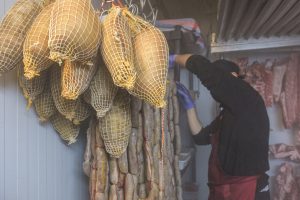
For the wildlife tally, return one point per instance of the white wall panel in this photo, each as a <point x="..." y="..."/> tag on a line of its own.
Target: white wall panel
<point x="34" y="163"/>
<point x="2" y="138"/>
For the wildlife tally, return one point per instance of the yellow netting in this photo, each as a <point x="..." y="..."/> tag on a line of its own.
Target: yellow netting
<point x="74" y="110"/>
<point x="76" y="78"/>
<point x="87" y="94"/>
<point x="102" y="91"/>
<point x="75" y="31"/>
<point x="13" y="30"/>
<point x="151" y="61"/>
<point x="116" y="48"/>
<point x="115" y="126"/>
<point x="35" y="50"/>
<point x="82" y="111"/>
<point x="66" y="129"/>
<point x="44" y="104"/>
<point x="33" y="87"/>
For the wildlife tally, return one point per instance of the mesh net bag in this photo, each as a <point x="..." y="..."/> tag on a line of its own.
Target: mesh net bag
<point x="115" y="126"/>
<point x="74" y="32"/>
<point x="66" y="129"/>
<point x="44" y="104"/>
<point x="116" y="48"/>
<point x="87" y="95"/>
<point x="74" y="110"/>
<point x="82" y="112"/>
<point x="33" y="87"/>
<point x="35" y="49"/>
<point x="101" y="92"/>
<point x="151" y="61"/>
<point x="76" y="78"/>
<point x="13" y="30"/>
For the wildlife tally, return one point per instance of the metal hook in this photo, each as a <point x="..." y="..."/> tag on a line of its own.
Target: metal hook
<point x="138" y="8"/>
<point x="103" y="4"/>
<point x="143" y="3"/>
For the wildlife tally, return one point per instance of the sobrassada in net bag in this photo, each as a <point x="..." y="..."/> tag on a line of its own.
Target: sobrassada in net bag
<point x="151" y="61"/>
<point x="74" y="32"/>
<point x="33" y="87"/>
<point x="74" y="110"/>
<point x="102" y="91"/>
<point x="44" y="104"/>
<point x="35" y="50"/>
<point x="13" y="30"/>
<point x="76" y="78"/>
<point x="116" y="48"/>
<point x="66" y="129"/>
<point x="115" y="126"/>
<point x="82" y="111"/>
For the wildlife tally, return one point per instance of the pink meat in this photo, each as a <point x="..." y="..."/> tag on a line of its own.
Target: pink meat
<point x="281" y="151"/>
<point x="242" y="63"/>
<point x="255" y="78"/>
<point x="258" y="77"/>
<point x="278" y="74"/>
<point x="286" y="185"/>
<point x="288" y="98"/>
<point x="298" y="93"/>
<point x="268" y="78"/>
<point x="297" y="136"/>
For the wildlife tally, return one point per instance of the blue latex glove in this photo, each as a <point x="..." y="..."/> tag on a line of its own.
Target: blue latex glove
<point x="171" y="61"/>
<point x="184" y="96"/>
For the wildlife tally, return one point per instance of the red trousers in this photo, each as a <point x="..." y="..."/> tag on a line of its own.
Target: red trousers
<point x="233" y="191"/>
<point x="225" y="187"/>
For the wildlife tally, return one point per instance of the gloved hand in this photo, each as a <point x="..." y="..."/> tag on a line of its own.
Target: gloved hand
<point x="184" y="96"/>
<point x="172" y="61"/>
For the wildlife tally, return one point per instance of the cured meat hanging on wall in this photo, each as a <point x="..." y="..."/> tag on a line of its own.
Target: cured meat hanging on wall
<point x="277" y="82"/>
<point x="260" y="77"/>
<point x="149" y="168"/>
<point x="288" y="98"/>
<point x="286" y="185"/>
<point x="297" y="135"/>
<point x="279" y="70"/>
<point x="281" y="151"/>
<point x="298" y="93"/>
<point x="268" y="76"/>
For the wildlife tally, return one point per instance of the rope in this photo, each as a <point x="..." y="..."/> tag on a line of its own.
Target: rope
<point x="162" y="132"/>
<point x="161" y="162"/>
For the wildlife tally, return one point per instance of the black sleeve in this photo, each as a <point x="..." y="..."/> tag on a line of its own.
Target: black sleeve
<point x="203" y="137"/>
<point x="228" y="90"/>
<point x="205" y="70"/>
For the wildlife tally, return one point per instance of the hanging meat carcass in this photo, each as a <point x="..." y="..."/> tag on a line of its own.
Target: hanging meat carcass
<point x="288" y="98"/>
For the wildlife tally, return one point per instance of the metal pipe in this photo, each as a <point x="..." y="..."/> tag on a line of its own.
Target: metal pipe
<point x="177" y="51"/>
<point x="237" y="13"/>
<point x="284" y="8"/>
<point x="286" y="18"/>
<point x="289" y="26"/>
<point x="263" y="16"/>
<point x="224" y="16"/>
<point x="295" y="31"/>
<point x="249" y="17"/>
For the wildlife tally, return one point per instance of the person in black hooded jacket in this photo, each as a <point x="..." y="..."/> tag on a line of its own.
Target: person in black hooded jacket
<point x="239" y="135"/>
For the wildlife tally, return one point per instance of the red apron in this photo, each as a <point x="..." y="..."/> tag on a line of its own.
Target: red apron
<point x="225" y="187"/>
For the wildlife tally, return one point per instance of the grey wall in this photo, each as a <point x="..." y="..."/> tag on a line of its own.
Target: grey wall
<point x="34" y="163"/>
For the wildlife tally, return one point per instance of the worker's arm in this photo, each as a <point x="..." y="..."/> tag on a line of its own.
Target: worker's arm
<point x="182" y="59"/>
<point x="200" y="134"/>
<point x="194" y="123"/>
